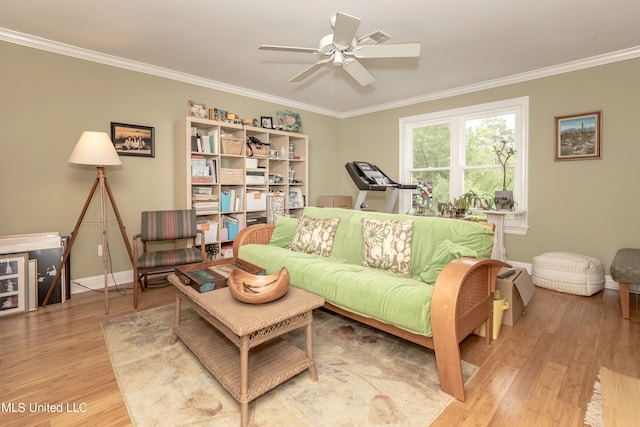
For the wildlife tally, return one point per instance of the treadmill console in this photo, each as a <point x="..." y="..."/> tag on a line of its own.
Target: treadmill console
<point x="368" y="177"/>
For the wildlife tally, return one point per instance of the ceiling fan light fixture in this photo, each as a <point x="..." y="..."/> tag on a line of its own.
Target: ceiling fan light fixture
<point x="343" y="48"/>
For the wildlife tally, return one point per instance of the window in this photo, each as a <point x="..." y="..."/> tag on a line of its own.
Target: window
<point x="453" y="151"/>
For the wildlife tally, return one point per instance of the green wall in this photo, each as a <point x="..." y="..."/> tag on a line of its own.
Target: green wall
<point x="47" y="100"/>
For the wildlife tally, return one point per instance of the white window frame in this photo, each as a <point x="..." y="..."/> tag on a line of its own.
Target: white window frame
<point x="514" y="224"/>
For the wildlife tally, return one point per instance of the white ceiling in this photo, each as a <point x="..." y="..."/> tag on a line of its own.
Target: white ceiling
<point x="465" y="43"/>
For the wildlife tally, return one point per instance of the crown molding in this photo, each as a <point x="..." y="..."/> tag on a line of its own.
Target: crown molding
<point x="581" y="64"/>
<point x="141" y="67"/>
<point x="102" y="58"/>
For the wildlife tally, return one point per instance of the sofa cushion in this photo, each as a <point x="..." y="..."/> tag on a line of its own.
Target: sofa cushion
<point x="445" y="252"/>
<point x="387" y="244"/>
<point x="284" y="231"/>
<point x="314" y="235"/>
<point x="388" y="297"/>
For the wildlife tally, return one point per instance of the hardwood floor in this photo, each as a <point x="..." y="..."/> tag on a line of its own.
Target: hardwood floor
<point x="540" y="372"/>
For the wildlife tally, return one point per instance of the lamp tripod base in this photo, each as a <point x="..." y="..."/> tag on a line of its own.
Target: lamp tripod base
<point x="100" y="182"/>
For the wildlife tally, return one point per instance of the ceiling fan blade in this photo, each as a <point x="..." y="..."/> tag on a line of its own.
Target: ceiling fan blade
<point x="358" y="72"/>
<point x="308" y="71"/>
<point x="398" y="50"/>
<point x="288" y="48"/>
<point x="345" y="29"/>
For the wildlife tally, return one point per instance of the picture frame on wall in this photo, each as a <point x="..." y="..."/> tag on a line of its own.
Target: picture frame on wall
<point x="13" y="283"/>
<point x="578" y="136"/>
<point x="133" y="140"/>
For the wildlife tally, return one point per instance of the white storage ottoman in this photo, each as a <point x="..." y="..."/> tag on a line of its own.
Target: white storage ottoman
<point x="568" y="272"/>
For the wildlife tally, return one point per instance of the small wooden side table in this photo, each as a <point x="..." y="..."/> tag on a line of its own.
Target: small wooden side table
<point x="237" y="325"/>
<point x="499" y="251"/>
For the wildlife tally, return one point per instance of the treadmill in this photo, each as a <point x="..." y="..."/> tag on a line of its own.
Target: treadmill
<point x="368" y="177"/>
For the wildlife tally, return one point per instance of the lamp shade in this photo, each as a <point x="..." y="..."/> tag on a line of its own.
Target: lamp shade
<point x="94" y="148"/>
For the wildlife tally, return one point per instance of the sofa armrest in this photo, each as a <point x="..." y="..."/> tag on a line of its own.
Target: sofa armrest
<point x="462" y="299"/>
<point x="259" y="234"/>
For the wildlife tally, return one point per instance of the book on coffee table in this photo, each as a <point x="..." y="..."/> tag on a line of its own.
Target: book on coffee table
<point x="210" y="275"/>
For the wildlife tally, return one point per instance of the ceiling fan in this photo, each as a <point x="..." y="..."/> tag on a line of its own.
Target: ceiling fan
<point x="344" y="49"/>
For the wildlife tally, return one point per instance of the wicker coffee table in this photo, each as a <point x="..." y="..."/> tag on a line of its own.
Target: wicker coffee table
<point x="245" y="327"/>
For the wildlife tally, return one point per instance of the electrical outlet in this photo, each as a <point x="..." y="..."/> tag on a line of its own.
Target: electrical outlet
<point x="99" y="250"/>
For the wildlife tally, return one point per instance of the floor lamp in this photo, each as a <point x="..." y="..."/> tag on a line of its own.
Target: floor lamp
<point x="95" y="149"/>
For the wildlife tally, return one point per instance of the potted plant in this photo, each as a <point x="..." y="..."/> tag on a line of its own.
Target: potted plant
<point x="460" y="205"/>
<point x="504" y="198"/>
<point x="446" y="209"/>
<point x="465" y="202"/>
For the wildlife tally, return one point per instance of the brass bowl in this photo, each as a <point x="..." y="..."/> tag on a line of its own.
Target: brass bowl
<point x="258" y="289"/>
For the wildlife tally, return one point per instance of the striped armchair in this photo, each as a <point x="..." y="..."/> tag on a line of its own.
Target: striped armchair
<point x="178" y="226"/>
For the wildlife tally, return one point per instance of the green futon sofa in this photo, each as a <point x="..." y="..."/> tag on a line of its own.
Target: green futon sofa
<point x="425" y="279"/>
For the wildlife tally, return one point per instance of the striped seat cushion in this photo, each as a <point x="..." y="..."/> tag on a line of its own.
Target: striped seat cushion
<point x="169" y="257"/>
<point x="168" y="225"/>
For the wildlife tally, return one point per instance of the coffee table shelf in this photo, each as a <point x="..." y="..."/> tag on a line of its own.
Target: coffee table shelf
<point x="270" y="363"/>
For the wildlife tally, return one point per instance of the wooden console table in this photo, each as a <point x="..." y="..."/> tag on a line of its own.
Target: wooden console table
<point x="243" y="326"/>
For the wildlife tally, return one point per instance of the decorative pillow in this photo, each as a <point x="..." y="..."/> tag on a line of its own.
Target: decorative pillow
<point x="387" y="244"/>
<point x="284" y="231"/>
<point x="445" y="252"/>
<point x="314" y="235"/>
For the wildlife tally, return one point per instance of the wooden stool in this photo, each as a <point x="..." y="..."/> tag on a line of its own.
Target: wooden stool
<point x="625" y="269"/>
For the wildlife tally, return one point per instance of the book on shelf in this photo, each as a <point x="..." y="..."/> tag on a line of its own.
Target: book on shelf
<point x="213" y="168"/>
<point x="201" y="143"/>
<point x="213" y="140"/>
<point x="203" y="170"/>
<point x="204" y="201"/>
<point x="206" y="208"/>
<point x="255" y="175"/>
<point x="232" y="199"/>
<point x="260" y="170"/>
<point x="202" y="191"/>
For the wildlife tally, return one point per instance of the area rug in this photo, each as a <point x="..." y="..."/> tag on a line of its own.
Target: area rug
<point x="594" y="415"/>
<point x="614" y="401"/>
<point x="366" y="378"/>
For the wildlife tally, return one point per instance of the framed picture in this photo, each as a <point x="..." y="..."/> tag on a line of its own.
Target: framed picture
<point x="578" y="136"/>
<point x="266" y="122"/>
<point x="48" y="262"/>
<point x="289" y="121"/>
<point x="197" y="109"/>
<point x="133" y="140"/>
<point x="218" y="114"/>
<point x="13" y="283"/>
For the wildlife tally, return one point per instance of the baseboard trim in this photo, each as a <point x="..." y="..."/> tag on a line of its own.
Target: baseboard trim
<point x="97" y="282"/>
